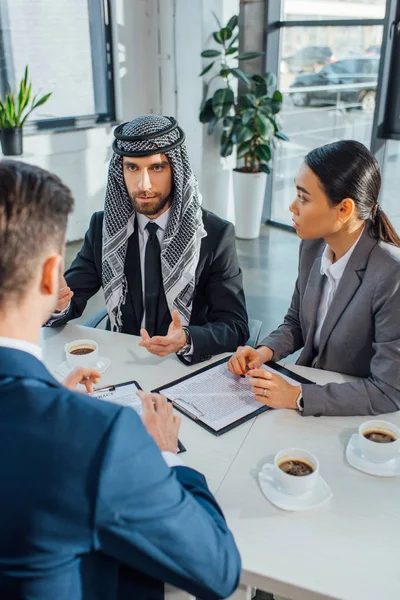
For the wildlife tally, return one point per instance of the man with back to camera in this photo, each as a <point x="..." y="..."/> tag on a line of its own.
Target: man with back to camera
<point x="168" y="268"/>
<point x="89" y="509"/>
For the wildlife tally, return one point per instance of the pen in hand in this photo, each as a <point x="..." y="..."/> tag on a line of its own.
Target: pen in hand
<point x="107" y="388"/>
<point x="246" y="371"/>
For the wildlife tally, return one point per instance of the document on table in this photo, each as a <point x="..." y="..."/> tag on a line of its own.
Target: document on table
<point x="124" y="395"/>
<point x="278" y="370"/>
<point x="216" y="398"/>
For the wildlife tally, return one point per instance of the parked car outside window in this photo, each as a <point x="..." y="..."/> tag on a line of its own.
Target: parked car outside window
<point x="330" y="80"/>
<point x="310" y="58"/>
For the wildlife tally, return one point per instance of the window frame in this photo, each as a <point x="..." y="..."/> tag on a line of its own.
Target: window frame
<point x="273" y="27"/>
<point x="73" y="122"/>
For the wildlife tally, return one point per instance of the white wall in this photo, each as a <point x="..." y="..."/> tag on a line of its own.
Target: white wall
<point x="217" y="171"/>
<point x="157" y="45"/>
<point x="185" y="29"/>
<point x="80" y="159"/>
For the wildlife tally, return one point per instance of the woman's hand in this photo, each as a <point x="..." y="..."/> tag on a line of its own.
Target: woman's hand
<point x="272" y="390"/>
<point x="246" y="358"/>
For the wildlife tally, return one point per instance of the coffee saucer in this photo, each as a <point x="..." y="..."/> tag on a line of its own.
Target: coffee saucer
<point x="356" y="459"/>
<point x="274" y="493"/>
<point x="101" y="365"/>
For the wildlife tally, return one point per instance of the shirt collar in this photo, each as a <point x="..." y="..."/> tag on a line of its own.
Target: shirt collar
<point x="336" y="269"/>
<point x="161" y="221"/>
<point x="33" y="349"/>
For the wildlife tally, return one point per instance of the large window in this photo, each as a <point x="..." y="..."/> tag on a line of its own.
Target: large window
<point x="308" y="10"/>
<point x="391" y="182"/>
<point x="67" y="47"/>
<point x="327" y="62"/>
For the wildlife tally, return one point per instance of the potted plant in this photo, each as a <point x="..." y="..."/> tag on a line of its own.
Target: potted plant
<point x="14" y="110"/>
<point x="250" y="121"/>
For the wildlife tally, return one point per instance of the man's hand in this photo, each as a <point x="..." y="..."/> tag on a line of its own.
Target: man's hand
<point x="273" y="390"/>
<point x="246" y="358"/>
<point x="64" y="295"/>
<point x="160" y="422"/>
<point x="85" y="376"/>
<point x="163" y="345"/>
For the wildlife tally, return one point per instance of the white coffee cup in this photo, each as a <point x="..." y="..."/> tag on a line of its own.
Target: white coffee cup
<point x="88" y="360"/>
<point x="291" y="484"/>
<point x="374" y="451"/>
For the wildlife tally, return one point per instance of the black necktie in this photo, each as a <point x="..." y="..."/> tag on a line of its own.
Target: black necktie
<point x="152" y="277"/>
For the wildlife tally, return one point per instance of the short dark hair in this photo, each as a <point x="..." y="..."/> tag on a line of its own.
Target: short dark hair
<point x="34" y="209"/>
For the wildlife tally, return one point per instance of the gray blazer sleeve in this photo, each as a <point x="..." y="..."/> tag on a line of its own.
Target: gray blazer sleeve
<point x="380" y="392"/>
<point x="288" y="337"/>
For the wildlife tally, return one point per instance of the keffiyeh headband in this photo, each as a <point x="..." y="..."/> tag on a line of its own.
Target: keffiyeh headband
<point x="144" y="136"/>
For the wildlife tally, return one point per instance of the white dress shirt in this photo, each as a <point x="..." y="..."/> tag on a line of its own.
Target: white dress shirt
<point x="172" y="460"/>
<point x="333" y="273"/>
<point x="33" y="349"/>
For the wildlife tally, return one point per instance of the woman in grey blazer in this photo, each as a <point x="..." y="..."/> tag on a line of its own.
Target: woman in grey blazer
<point x="345" y="310"/>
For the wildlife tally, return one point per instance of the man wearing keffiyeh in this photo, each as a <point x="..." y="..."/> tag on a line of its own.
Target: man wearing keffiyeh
<point x="168" y="268"/>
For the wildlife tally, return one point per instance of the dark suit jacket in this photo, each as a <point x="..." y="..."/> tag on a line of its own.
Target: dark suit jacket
<point x="219" y="319"/>
<point x="84" y="488"/>
<point x="360" y="335"/>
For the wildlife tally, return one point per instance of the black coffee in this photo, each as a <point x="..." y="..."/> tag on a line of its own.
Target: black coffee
<point x="295" y="467"/>
<point x="381" y="437"/>
<point x="83" y="350"/>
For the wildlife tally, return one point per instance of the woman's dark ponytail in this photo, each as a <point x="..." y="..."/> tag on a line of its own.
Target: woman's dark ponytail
<point x="347" y="169"/>
<point x="382" y="228"/>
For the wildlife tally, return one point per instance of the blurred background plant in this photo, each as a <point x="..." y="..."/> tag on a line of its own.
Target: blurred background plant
<point x="249" y="119"/>
<point x="15" y="108"/>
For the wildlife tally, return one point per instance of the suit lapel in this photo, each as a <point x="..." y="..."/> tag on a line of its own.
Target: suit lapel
<point x="310" y="303"/>
<point x="348" y="286"/>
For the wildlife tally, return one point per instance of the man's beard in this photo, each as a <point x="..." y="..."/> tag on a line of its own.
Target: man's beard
<point x="149" y="208"/>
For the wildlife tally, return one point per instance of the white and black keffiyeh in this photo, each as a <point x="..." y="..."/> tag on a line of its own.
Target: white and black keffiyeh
<point x="181" y="245"/>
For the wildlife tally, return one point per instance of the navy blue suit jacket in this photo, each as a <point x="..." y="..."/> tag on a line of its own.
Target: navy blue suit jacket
<point x="84" y="490"/>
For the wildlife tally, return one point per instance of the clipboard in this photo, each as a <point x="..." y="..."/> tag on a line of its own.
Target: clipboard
<point x="285" y="371"/>
<point x="106" y="388"/>
<point x="278" y="368"/>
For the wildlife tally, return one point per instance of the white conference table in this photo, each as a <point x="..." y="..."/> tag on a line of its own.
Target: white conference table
<point x="131" y="362"/>
<point x="346" y="549"/>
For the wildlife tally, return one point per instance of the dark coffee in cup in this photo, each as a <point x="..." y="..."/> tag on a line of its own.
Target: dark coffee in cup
<point x="380" y="436"/>
<point x="82" y="350"/>
<point x="296" y="467"/>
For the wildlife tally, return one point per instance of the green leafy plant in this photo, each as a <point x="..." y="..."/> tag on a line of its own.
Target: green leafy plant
<point x="250" y="120"/>
<point x="16" y="108"/>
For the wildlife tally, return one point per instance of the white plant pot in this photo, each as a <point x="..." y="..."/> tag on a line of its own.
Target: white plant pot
<point x="248" y="191"/>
